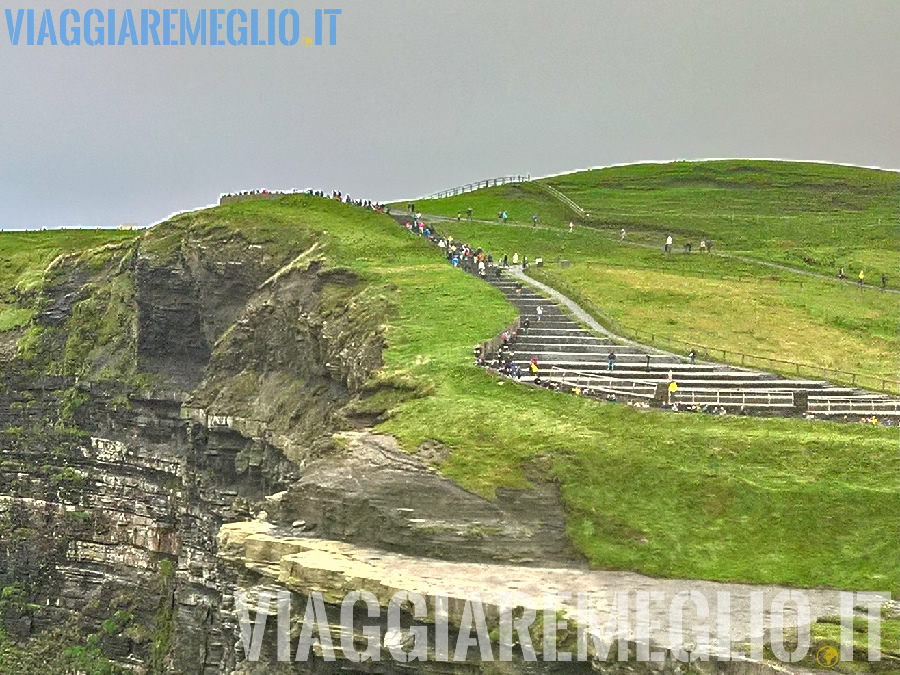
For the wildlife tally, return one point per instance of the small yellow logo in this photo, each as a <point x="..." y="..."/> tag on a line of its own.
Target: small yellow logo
<point x="307" y="41"/>
<point x="827" y="656"/>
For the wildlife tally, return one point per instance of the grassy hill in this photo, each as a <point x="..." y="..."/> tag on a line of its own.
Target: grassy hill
<point x="815" y="216"/>
<point x="791" y="212"/>
<point x="771" y="211"/>
<point x="767" y="501"/>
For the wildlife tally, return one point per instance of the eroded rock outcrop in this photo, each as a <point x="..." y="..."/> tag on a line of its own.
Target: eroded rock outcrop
<point x="194" y="378"/>
<point x="374" y="494"/>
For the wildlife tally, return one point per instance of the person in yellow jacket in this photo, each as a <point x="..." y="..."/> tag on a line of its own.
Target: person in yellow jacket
<point x="673" y="387"/>
<point x="861" y="278"/>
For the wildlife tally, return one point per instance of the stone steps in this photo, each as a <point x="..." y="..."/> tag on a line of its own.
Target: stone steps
<point x="572" y="355"/>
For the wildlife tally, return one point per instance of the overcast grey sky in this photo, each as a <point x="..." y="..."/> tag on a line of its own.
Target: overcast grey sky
<point x="420" y="95"/>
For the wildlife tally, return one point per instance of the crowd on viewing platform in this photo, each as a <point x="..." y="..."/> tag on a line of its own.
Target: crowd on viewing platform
<point x="247" y="195"/>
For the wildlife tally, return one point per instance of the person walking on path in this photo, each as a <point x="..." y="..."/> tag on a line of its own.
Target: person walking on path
<point x="648" y="362"/>
<point x="540" y="312"/>
<point x="515" y="258"/>
<point x="673" y="388"/>
<point x="571" y="226"/>
<point x="861" y="278"/>
<point x="668" y="246"/>
<point x="469" y="214"/>
<point x="883" y="281"/>
<point x="692" y="355"/>
<point x="622" y="235"/>
<point x="611" y="361"/>
<point x="505" y="262"/>
<point x="505" y="217"/>
<point x="534" y="219"/>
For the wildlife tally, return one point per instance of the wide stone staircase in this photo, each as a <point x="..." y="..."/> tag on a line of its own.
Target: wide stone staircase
<point x="570" y="355"/>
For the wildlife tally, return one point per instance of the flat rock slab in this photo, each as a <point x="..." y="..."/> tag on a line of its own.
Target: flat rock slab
<point x="333" y="568"/>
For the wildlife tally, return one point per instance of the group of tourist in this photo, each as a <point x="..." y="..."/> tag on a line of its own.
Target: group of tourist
<point x="459" y="254"/>
<point x="478" y="262"/>
<point x="502" y="363"/>
<point x="705" y="244"/>
<point x="861" y="278"/>
<point x="335" y="194"/>
<point x="706" y="408"/>
<point x="874" y="421"/>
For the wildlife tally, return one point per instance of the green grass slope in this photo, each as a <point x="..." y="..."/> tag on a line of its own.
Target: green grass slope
<point x="767" y="501"/>
<point x="783" y="212"/>
<point x="25" y="255"/>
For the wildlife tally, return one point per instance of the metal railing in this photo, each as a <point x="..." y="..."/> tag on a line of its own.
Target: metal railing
<point x="642" y="389"/>
<point x="556" y="194"/>
<point x="478" y="185"/>
<point x="855" y="404"/>
<point x="728" y="399"/>
<point x="604" y="383"/>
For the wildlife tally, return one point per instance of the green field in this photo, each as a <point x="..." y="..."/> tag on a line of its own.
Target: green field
<point x="783" y="212"/>
<point x="767" y="501"/>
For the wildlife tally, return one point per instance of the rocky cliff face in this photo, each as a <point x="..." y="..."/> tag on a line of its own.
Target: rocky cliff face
<point x="195" y="378"/>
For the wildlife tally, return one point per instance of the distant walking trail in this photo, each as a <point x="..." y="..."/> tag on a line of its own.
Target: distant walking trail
<point x="731" y="256"/>
<point x="569" y="202"/>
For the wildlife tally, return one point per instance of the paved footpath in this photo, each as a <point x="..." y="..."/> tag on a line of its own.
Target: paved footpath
<point x="580" y="313"/>
<point x="732" y="256"/>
